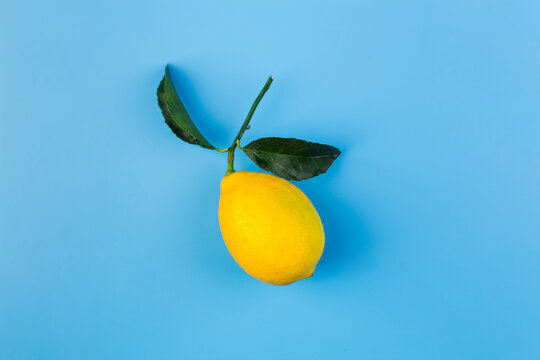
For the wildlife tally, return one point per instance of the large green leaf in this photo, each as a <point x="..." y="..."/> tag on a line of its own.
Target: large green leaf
<point x="292" y="159"/>
<point x="176" y="115"/>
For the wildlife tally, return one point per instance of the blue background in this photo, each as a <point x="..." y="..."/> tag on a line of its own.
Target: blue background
<point x="109" y="240"/>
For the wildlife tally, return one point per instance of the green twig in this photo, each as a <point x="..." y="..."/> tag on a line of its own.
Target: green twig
<point x="245" y="125"/>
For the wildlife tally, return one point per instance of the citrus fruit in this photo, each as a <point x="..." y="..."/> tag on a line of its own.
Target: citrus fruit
<point x="270" y="227"/>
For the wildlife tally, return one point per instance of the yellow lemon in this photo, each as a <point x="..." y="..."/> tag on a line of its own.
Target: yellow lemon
<point x="270" y="227"/>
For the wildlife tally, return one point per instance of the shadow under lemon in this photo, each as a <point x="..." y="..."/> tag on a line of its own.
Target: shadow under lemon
<point x="348" y="244"/>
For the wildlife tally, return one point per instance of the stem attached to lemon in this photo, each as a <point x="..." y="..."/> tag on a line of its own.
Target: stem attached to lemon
<point x="245" y="125"/>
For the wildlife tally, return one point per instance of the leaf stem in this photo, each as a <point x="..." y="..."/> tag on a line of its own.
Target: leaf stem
<point x="245" y="125"/>
<point x="238" y="145"/>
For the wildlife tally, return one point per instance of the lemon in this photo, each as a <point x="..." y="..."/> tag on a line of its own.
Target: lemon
<point x="270" y="227"/>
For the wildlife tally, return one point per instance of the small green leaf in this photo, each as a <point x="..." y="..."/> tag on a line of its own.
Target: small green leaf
<point x="176" y="115"/>
<point x="292" y="159"/>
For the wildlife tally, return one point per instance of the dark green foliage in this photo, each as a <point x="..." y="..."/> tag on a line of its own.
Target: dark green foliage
<point x="290" y="158"/>
<point x="176" y="115"/>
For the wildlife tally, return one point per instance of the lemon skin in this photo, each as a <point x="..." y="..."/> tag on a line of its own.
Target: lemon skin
<point x="270" y="227"/>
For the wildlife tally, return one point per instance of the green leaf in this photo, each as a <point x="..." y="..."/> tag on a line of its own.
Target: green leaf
<point x="176" y="115"/>
<point x="292" y="159"/>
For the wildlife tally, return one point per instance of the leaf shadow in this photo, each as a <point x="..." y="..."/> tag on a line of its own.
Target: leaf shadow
<point x="212" y="130"/>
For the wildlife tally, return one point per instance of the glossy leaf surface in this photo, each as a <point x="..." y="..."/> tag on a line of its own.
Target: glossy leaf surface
<point x="290" y="158"/>
<point x="176" y="115"/>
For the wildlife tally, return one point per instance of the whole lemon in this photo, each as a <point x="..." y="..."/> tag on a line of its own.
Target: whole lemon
<point x="270" y="227"/>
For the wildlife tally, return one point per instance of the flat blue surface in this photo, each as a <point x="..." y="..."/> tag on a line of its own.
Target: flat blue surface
<point x="109" y="239"/>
